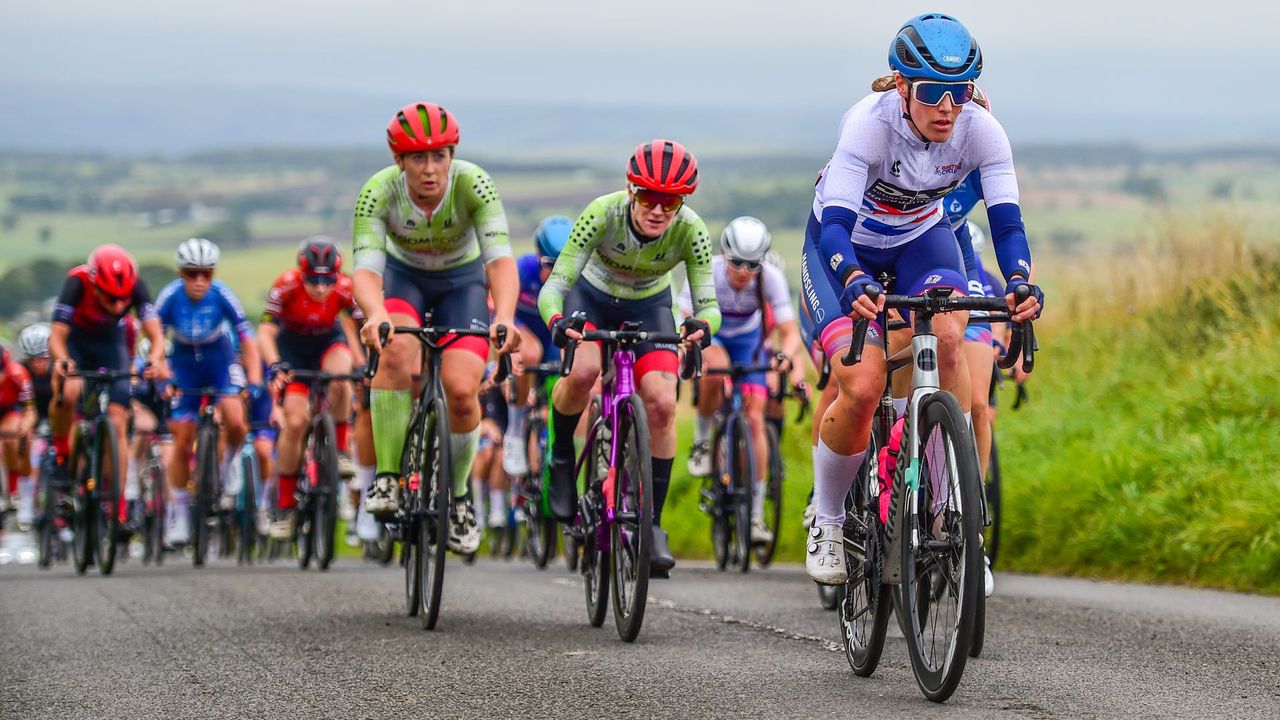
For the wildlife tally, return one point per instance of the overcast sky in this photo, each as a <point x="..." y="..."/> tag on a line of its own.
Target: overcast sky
<point x="1143" y="69"/>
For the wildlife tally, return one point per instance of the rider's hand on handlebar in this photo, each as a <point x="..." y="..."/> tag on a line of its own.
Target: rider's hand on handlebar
<point x="855" y="301"/>
<point x="565" y="330"/>
<point x="156" y="369"/>
<point x="369" y="331"/>
<point x="697" y="331"/>
<point x="511" y="342"/>
<point x="280" y="373"/>
<point x="1028" y="309"/>
<point x="65" y="367"/>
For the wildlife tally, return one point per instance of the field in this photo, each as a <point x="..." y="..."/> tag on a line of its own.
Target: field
<point x="1146" y="452"/>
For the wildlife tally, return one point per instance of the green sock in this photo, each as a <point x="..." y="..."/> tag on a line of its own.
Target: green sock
<point x="390" y="410"/>
<point x="462" y="448"/>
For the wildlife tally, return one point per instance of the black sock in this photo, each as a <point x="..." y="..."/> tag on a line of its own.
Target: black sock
<point x="661" y="482"/>
<point x="563" y="426"/>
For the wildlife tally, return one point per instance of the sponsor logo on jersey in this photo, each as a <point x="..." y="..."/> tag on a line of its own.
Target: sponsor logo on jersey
<point x="409" y="223"/>
<point x="891" y="196"/>
<point x="948" y="169"/>
<point x="836" y="260"/>
<point x="935" y="278"/>
<point x="809" y="293"/>
<point x="896" y="168"/>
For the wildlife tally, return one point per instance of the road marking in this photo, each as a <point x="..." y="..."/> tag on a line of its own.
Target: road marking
<point x="710" y="614"/>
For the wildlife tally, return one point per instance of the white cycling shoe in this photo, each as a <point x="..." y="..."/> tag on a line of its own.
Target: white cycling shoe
<point x="988" y="579"/>
<point x="366" y="526"/>
<point x="464" y="531"/>
<point x="699" y="464"/>
<point x="824" y="560"/>
<point x="514" y="462"/>
<point x="382" y="495"/>
<point x="810" y="512"/>
<point x="760" y="533"/>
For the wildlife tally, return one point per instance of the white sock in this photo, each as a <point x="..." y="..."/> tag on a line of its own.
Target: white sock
<point x="515" y="422"/>
<point x="757" y="500"/>
<point x="833" y="475"/>
<point x="968" y="420"/>
<point x="702" y="428"/>
<point x="899" y="407"/>
<point x="364" y="477"/>
<point x="132" y="488"/>
<point x="497" y="500"/>
<point x="478" y="497"/>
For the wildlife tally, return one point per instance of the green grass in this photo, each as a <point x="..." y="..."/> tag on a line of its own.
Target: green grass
<point x="1148" y="451"/>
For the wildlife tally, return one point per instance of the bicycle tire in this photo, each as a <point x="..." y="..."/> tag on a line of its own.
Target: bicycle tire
<point x="46" y="525"/>
<point x="595" y="559"/>
<point x="542" y="528"/>
<point x="435" y="494"/>
<point x="411" y="515"/>
<point x="206" y="481"/>
<point x="84" y="497"/>
<point x="994" y="503"/>
<point x="864" y="602"/>
<point x="631" y="543"/>
<point x="304" y="526"/>
<point x="247" y="505"/>
<point x="159" y="505"/>
<point x="721" y="537"/>
<point x="772" y="514"/>
<point x="742" y="484"/>
<point x="110" y="494"/>
<point x="938" y="674"/>
<point x="324" y="529"/>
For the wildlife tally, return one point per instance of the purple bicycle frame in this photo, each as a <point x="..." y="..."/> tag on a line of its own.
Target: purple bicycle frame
<point x="617" y="385"/>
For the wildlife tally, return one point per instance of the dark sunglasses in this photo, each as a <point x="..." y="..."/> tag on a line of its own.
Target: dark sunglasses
<point x="196" y="274"/>
<point x="931" y="92"/>
<point x="322" y="279"/>
<point x="740" y="264"/>
<point x="649" y="199"/>
<point x="112" y="298"/>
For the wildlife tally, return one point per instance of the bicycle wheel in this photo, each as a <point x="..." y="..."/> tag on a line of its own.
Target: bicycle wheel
<point x="156" y="506"/>
<point x="435" y="495"/>
<point x="247" y="505"/>
<point x="411" y="515"/>
<point x="942" y="576"/>
<point x="994" y="504"/>
<point x="721" y="536"/>
<point x="631" y="532"/>
<point x="206" y="481"/>
<point x="45" y="529"/>
<point x="741" y="484"/>
<point x="542" y="527"/>
<point x="595" y="558"/>
<point x="304" y="526"/>
<point x="110" y="492"/>
<point x="864" y="601"/>
<point x="83" y="512"/>
<point x="325" y="500"/>
<point x="772" y="515"/>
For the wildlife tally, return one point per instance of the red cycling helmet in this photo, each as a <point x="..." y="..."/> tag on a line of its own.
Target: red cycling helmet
<point x="664" y="166"/>
<point x="420" y="127"/>
<point x="318" y="256"/>
<point x="113" y="271"/>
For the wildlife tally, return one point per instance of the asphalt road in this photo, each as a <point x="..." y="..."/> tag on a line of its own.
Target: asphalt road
<point x="275" y="642"/>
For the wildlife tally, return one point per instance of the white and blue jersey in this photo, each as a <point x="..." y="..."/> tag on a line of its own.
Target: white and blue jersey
<point x="529" y="268"/>
<point x="879" y="207"/>
<point x="203" y="352"/>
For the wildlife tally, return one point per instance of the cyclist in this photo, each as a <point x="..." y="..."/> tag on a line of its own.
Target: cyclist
<point x="751" y="295"/>
<point x="430" y="234"/>
<point x="96" y="299"/>
<point x="18" y="416"/>
<point x="308" y="324"/>
<point x="622" y="246"/>
<point x="535" y="340"/>
<point x="487" y="472"/>
<point x="877" y="207"/>
<point x="33" y="341"/>
<point x="150" y="415"/>
<point x="194" y="308"/>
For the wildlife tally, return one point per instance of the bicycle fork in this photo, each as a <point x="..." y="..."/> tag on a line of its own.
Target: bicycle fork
<point x="906" y="477"/>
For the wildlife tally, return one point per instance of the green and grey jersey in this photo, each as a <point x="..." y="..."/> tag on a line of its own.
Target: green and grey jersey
<point x="604" y="251"/>
<point x="469" y="223"/>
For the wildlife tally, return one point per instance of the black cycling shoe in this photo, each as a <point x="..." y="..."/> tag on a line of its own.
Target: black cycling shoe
<point x="660" y="560"/>
<point x="563" y="491"/>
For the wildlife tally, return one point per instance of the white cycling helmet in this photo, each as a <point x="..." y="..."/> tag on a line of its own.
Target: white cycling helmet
<point x="745" y="238"/>
<point x="34" y="340"/>
<point x="197" y="253"/>
<point x="976" y="237"/>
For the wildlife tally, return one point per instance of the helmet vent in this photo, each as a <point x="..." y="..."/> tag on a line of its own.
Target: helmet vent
<point x="904" y="54"/>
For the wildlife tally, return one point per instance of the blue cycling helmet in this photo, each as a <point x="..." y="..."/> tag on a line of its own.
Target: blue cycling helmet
<point x="552" y="234"/>
<point x="934" y="46"/>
